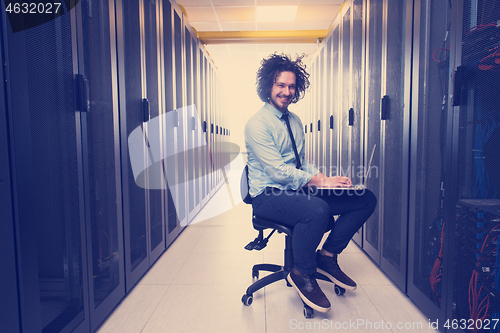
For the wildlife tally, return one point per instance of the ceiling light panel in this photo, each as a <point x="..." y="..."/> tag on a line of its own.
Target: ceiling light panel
<point x="275" y="13"/>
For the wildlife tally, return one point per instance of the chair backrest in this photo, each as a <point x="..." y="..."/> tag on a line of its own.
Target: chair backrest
<point x="245" y="186"/>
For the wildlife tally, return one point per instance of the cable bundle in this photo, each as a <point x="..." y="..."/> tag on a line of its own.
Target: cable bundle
<point x="483" y="285"/>
<point x="486" y="126"/>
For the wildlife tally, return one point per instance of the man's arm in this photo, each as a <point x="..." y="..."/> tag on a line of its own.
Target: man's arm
<point x="260" y="141"/>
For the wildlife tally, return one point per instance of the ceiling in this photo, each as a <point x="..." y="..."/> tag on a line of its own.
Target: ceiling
<point x="224" y="18"/>
<point x="239" y="15"/>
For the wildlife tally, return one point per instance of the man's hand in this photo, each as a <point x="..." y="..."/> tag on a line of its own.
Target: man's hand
<point x="320" y="180"/>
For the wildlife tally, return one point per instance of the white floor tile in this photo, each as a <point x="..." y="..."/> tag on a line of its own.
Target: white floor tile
<point x="135" y="310"/>
<point x="397" y="308"/>
<point x="223" y="268"/>
<point x="207" y="309"/>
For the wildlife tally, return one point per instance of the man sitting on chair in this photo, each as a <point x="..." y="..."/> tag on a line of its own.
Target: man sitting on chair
<point x="280" y="184"/>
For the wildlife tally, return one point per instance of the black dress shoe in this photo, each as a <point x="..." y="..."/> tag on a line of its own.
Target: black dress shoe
<point x="309" y="291"/>
<point x="329" y="267"/>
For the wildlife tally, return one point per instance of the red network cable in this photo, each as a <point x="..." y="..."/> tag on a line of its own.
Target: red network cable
<point x="480" y="27"/>
<point x="436" y="272"/>
<point x="491" y="61"/>
<point x="434" y="53"/>
<point x="479" y="311"/>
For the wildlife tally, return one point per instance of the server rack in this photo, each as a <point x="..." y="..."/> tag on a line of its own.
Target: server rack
<point x="139" y="102"/>
<point x="190" y="133"/>
<point x="334" y="128"/>
<point x="319" y="121"/>
<point x="9" y="315"/>
<point x="430" y="178"/>
<point x="179" y="100"/>
<point x="345" y="88"/>
<point x="172" y="228"/>
<point x="327" y="115"/>
<point x="371" y="110"/>
<point x="474" y="205"/>
<point x="58" y="192"/>
<point x="394" y="139"/>
<point x="101" y="155"/>
<point x="355" y="116"/>
<point x="78" y="231"/>
<point x="440" y="59"/>
<point x="374" y="49"/>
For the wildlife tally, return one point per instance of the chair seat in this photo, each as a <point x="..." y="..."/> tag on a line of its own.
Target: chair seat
<point x="261" y="224"/>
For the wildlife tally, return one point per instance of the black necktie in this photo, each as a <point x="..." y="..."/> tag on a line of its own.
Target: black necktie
<point x="297" y="159"/>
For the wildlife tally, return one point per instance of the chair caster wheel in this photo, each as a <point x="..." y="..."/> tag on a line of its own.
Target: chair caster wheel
<point x="247" y="299"/>
<point x="308" y="311"/>
<point x="339" y="291"/>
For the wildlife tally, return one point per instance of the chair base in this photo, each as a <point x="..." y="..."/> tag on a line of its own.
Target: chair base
<point x="278" y="272"/>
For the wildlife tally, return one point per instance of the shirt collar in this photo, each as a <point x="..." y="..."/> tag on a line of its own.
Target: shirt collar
<point x="275" y="111"/>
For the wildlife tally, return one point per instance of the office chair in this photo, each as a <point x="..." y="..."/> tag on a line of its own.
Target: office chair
<point x="278" y="272"/>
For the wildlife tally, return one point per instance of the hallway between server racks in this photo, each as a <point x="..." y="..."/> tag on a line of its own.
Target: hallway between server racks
<point x="198" y="282"/>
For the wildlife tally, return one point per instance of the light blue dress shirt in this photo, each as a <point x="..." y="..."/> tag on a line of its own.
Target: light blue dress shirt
<point x="271" y="159"/>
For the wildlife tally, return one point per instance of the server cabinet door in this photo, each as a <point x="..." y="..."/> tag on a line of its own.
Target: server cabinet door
<point x="132" y="118"/>
<point x="312" y="114"/>
<point x="427" y="171"/>
<point x="335" y="107"/>
<point x="191" y="126"/>
<point x="345" y="88"/>
<point x="211" y="131"/>
<point x="9" y="313"/>
<point x="47" y="158"/>
<point x="198" y="132"/>
<point x="474" y="205"/>
<point x="206" y="128"/>
<point x="356" y="115"/>
<point x="179" y="62"/>
<point x="169" y="132"/>
<point x="316" y="106"/>
<point x="374" y="34"/>
<point x="327" y="106"/>
<point x="156" y="196"/>
<point x="305" y="121"/>
<point x="394" y="140"/>
<point x="321" y="108"/>
<point x="203" y="121"/>
<point x="100" y="139"/>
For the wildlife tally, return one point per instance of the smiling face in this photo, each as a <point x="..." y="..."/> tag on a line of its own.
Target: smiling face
<point x="283" y="91"/>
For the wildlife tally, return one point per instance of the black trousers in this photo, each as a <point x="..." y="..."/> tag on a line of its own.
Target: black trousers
<point x="309" y="211"/>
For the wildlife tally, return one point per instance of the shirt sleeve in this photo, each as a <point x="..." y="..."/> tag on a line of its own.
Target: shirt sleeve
<point x="309" y="167"/>
<point x="259" y="138"/>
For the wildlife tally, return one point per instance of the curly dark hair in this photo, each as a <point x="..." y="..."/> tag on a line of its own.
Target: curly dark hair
<point x="275" y="64"/>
